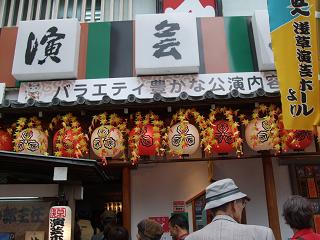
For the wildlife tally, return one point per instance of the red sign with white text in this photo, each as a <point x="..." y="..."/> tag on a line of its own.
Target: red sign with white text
<point x="201" y="8"/>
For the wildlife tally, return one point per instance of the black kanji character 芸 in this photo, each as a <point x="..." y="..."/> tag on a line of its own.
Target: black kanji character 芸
<point x="32" y="48"/>
<point x="52" y="48"/>
<point x="167" y="46"/>
<point x="301" y="7"/>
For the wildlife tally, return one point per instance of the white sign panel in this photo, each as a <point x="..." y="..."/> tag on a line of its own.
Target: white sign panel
<point x="262" y="40"/>
<point x="60" y="223"/>
<point x="2" y="90"/>
<point x="47" y="49"/>
<point x="169" y="86"/>
<point x="166" y="44"/>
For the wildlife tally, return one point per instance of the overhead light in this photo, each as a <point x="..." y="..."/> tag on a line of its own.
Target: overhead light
<point x="18" y="198"/>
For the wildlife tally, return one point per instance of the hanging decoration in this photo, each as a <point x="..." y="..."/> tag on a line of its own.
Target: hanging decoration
<point x="6" y="140"/>
<point x="29" y="136"/>
<point x="69" y="140"/>
<point x="223" y="135"/>
<point x="145" y="137"/>
<point x="262" y="132"/>
<point x="297" y="140"/>
<point x="182" y="137"/>
<point x="107" y="136"/>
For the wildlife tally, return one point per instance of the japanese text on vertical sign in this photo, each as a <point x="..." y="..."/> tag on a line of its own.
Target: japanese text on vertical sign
<point x="302" y="33"/>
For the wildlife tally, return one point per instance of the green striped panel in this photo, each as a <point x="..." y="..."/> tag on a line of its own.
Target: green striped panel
<point x="238" y="44"/>
<point x="98" y="52"/>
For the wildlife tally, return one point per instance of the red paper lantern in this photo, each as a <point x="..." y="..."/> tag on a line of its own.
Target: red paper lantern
<point x="5" y="141"/>
<point x="147" y="146"/>
<point x="298" y="139"/>
<point x="224" y="135"/>
<point x="70" y="141"/>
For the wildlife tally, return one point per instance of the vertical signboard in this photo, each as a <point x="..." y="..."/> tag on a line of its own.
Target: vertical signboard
<point x="294" y="42"/>
<point x="60" y="223"/>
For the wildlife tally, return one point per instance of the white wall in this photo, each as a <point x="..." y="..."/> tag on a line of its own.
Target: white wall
<point x="248" y="175"/>
<point x="242" y="7"/>
<point x="154" y="188"/>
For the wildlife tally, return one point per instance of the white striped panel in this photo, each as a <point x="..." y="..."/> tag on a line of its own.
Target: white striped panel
<point x="130" y="10"/>
<point x="30" y="8"/>
<point x="48" y="9"/>
<point x="2" y="14"/>
<point x="93" y="8"/>
<point x="121" y="10"/>
<point x="111" y="10"/>
<point x="65" y="10"/>
<point x="74" y="10"/>
<point x="11" y="12"/>
<point x="55" y="9"/>
<point x="38" y="11"/>
<point x="102" y="11"/>
<point x="83" y="10"/>
<point x="19" y="17"/>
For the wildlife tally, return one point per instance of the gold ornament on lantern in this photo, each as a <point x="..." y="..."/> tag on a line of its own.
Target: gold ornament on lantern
<point x="182" y="137"/>
<point x="30" y="137"/>
<point x="222" y="134"/>
<point x="69" y="140"/>
<point x="262" y="132"/>
<point x="145" y="137"/>
<point x="107" y="136"/>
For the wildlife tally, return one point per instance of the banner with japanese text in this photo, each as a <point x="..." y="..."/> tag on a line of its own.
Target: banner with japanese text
<point x="294" y="43"/>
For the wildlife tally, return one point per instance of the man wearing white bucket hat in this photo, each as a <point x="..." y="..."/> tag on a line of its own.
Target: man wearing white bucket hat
<point x="226" y="202"/>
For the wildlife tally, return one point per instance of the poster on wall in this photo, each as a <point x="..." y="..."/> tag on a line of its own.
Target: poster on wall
<point x="200" y="8"/>
<point x="34" y="235"/>
<point x="6" y="236"/>
<point x="178" y="206"/>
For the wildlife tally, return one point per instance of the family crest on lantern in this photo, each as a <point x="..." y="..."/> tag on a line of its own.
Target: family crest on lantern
<point x="182" y="136"/>
<point x="108" y="132"/>
<point x="29" y="136"/>
<point x="145" y="137"/>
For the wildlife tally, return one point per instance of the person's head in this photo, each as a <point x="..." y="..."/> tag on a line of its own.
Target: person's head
<point x="149" y="230"/>
<point x="224" y="197"/>
<point x="117" y="233"/>
<point x="178" y="225"/>
<point x="298" y="212"/>
<point x="107" y="217"/>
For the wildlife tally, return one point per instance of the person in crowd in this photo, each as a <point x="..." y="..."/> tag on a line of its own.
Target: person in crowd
<point x="178" y="226"/>
<point x="298" y="213"/>
<point x="107" y="219"/>
<point x="149" y="230"/>
<point x="117" y="233"/>
<point x="226" y="202"/>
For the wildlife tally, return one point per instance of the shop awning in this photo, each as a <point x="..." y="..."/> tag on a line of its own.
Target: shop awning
<point x="42" y="167"/>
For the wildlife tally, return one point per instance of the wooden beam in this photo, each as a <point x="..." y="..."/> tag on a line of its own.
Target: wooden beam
<point x="126" y="198"/>
<point x="271" y="196"/>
